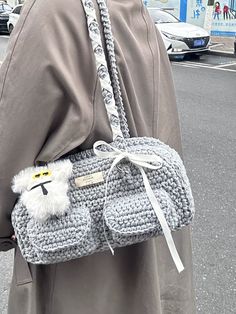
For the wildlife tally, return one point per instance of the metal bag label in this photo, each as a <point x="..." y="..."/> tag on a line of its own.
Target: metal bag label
<point x="89" y="179"/>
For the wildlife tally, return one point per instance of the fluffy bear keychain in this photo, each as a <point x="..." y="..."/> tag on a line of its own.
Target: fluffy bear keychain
<point x="44" y="189"/>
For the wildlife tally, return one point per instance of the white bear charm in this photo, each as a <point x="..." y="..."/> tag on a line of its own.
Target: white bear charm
<point x="44" y="189"/>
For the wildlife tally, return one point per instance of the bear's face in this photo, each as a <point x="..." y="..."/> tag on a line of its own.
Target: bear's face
<point x="40" y="179"/>
<point x="44" y="189"/>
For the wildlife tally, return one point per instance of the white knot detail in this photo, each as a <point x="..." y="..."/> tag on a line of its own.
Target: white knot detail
<point x="141" y="161"/>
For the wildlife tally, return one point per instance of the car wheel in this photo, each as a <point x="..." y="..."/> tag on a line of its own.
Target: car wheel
<point x="176" y="57"/>
<point x="11" y="27"/>
<point x="196" y="56"/>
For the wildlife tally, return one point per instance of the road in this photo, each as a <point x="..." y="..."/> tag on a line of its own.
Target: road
<point x="220" y="63"/>
<point x="206" y="96"/>
<point x="206" y="99"/>
<point x="3" y="46"/>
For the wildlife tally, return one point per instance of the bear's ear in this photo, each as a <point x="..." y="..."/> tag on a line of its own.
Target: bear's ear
<point x="61" y="169"/>
<point x="21" y="181"/>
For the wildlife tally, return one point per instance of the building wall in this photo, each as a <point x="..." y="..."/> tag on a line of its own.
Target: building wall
<point x="12" y="3"/>
<point x="174" y="5"/>
<point x="197" y="12"/>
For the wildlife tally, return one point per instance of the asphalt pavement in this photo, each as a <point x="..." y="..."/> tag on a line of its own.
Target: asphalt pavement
<point x="206" y="102"/>
<point x="3" y="47"/>
<point x="6" y="259"/>
<point x="206" y="96"/>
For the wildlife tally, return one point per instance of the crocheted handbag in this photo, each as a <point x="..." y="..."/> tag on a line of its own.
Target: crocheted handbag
<point x="110" y="196"/>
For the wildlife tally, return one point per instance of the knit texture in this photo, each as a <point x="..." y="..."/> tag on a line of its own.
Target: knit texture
<point x="128" y="215"/>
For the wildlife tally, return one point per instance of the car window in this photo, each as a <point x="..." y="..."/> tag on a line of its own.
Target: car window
<point x="160" y="16"/>
<point x="17" y="10"/>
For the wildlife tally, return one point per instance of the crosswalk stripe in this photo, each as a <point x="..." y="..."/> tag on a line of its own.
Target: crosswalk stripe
<point x="189" y="64"/>
<point x="225" y="65"/>
<point x="197" y="63"/>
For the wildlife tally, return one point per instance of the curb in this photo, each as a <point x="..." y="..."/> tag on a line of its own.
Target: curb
<point x="221" y="53"/>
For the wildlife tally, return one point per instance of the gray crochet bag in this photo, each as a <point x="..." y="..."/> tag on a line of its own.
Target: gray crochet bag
<point x="110" y="196"/>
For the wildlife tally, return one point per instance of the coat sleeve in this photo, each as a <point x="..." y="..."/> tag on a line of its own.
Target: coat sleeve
<point x="45" y="93"/>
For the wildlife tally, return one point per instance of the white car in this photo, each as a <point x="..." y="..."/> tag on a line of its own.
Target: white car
<point x="179" y="38"/>
<point x="14" y="17"/>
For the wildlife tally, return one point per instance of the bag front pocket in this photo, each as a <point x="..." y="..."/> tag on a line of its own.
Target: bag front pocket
<point x="62" y="238"/>
<point x="132" y="219"/>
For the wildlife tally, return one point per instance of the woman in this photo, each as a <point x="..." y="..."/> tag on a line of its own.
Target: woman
<point x="217" y="11"/>
<point x="226" y="11"/>
<point x="51" y="104"/>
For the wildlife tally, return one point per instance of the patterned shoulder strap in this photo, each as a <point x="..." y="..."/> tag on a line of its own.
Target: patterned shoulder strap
<point x="107" y="29"/>
<point x="102" y="69"/>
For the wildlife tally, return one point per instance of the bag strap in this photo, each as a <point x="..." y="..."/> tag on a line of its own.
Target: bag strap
<point x="109" y="39"/>
<point x="108" y="92"/>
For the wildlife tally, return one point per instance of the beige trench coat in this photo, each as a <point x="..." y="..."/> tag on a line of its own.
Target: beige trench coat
<point x="50" y="104"/>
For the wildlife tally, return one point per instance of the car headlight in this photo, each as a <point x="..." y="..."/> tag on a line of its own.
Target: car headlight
<point x="174" y="37"/>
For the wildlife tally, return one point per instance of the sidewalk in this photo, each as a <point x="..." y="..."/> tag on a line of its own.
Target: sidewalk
<point x="225" y="46"/>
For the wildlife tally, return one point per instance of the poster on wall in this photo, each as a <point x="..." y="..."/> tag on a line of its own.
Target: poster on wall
<point x="224" y="18"/>
<point x="196" y="12"/>
<point x="217" y="17"/>
<point x="173" y="5"/>
<point x="222" y="21"/>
